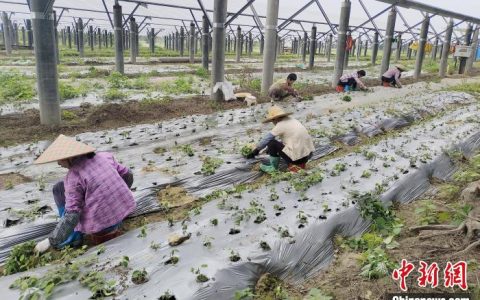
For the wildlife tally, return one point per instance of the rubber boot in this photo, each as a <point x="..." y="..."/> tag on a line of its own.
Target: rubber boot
<point x="272" y="167"/>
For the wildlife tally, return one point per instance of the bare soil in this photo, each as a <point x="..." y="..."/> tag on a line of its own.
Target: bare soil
<point x="26" y="127"/>
<point x="8" y="181"/>
<point x="342" y="279"/>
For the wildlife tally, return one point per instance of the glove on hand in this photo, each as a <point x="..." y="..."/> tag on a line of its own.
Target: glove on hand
<point x="42" y="246"/>
<point x="253" y="154"/>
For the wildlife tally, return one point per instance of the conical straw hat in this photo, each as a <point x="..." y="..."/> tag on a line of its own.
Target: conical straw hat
<point x="275" y="112"/>
<point x="63" y="147"/>
<point x="400" y="66"/>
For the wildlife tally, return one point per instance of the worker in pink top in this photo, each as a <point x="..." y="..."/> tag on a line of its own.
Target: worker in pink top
<point x="93" y="199"/>
<point x="391" y="78"/>
<point x="349" y="82"/>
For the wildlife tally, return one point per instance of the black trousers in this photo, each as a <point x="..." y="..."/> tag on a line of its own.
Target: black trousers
<point x="389" y="80"/>
<point x="274" y="148"/>
<point x="351" y="82"/>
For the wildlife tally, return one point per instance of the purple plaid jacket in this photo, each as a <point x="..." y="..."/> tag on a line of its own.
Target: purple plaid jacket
<point x="95" y="189"/>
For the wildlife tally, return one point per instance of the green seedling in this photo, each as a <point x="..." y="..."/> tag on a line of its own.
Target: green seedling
<point x="265" y="246"/>
<point x="366" y="174"/>
<point x="173" y="260"/>
<point x="155" y="246"/>
<point x="199" y="276"/>
<point x="210" y="164"/>
<point x="139" y="276"/>
<point x="338" y="168"/>
<point x="234" y="256"/>
<point x="124" y="262"/>
<point x="97" y="284"/>
<point x="214" y="222"/>
<point x="143" y="232"/>
<point x="167" y="296"/>
<point x="101" y="249"/>
<point x="246" y="150"/>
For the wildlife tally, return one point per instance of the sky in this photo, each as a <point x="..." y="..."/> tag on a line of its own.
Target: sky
<point x="287" y="8"/>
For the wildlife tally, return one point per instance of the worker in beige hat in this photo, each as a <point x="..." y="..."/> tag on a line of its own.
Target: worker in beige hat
<point x="295" y="145"/>
<point x="93" y="199"/>
<point x="391" y="78"/>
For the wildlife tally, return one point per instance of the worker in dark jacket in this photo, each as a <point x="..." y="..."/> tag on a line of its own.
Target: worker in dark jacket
<point x="283" y="88"/>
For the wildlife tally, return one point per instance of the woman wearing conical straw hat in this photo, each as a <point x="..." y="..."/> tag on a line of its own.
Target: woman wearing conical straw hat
<point x="93" y="199"/>
<point x="391" y="78"/>
<point x="296" y="145"/>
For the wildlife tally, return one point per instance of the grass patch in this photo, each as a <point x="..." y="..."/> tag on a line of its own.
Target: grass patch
<point x="202" y="73"/>
<point x="114" y="94"/>
<point x="15" y="87"/>
<point x="117" y="80"/>
<point x="68" y="91"/>
<point x="181" y="85"/>
<point x="473" y="88"/>
<point x="68" y="115"/>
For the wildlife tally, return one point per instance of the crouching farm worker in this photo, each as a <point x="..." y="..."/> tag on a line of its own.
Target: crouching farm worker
<point x="93" y="199"/>
<point x="282" y="89"/>
<point x="295" y="147"/>
<point x="349" y="82"/>
<point x="391" y="78"/>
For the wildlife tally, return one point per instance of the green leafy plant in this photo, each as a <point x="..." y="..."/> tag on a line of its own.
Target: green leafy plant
<point x="188" y="150"/>
<point x="246" y="150"/>
<point x="466" y="176"/>
<point x="139" y="83"/>
<point x="139" y="276"/>
<point x="316" y="294"/>
<point x="117" y="80"/>
<point x="347" y="98"/>
<point x="124" y="262"/>
<point x="181" y="85"/>
<point x="245" y="294"/>
<point x="383" y="219"/>
<point x="366" y="174"/>
<point x="234" y="256"/>
<point x="95" y="281"/>
<point x="265" y="246"/>
<point x="114" y="94"/>
<point x="173" y="259"/>
<point x="199" y="276"/>
<point x="167" y="296"/>
<point x="15" y="87"/>
<point x="23" y="257"/>
<point x="367" y="241"/>
<point x="33" y="287"/>
<point x="202" y="72"/>
<point x="155" y="246"/>
<point x="448" y="191"/>
<point x="338" y="168"/>
<point x="427" y="213"/>
<point x="376" y="263"/>
<point x="210" y="164"/>
<point x="143" y="232"/>
<point x="68" y="115"/>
